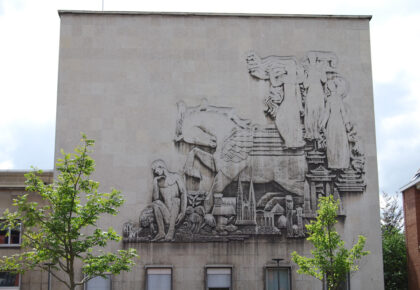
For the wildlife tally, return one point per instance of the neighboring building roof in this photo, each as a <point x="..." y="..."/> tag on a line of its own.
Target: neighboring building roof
<point x="62" y="12"/>
<point x="15" y="179"/>
<point x="415" y="181"/>
<point x="417" y="175"/>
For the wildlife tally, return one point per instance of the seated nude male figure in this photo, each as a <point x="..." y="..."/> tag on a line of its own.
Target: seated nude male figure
<point x="169" y="199"/>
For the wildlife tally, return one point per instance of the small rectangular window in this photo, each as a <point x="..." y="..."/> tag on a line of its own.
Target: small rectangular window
<point x="159" y="279"/>
<point x="99" y="283"/>
<point x="9" y="280"/>
<point x="9" y="236"/>
<point x="219" y="278"/>
<point x="277" y="278"/>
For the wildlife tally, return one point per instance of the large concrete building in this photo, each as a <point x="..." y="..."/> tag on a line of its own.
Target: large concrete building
<point x="222" y="131"/>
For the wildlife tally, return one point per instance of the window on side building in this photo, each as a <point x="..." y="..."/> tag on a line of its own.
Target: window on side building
<point x="159" y="278"/>
<point x="277" y="278"/>
<point x="9" y="281"/>
<point x="9" y="236"/>
<point x="219" y="278"/>
<point x="99" y="283"/>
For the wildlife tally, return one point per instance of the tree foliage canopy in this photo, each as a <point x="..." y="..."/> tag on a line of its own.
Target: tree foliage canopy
<point x="331" y="260"/>
<point x="392" y="215"/>
<point x="393" y="245"/>
<point x="62" y="230"/>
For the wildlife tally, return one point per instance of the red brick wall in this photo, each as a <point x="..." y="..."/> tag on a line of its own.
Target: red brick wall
<point x="411" y="199"/>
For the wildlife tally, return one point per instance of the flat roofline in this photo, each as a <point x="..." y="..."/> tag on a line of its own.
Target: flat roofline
<point x="15" y="179"/>
<point x="18" y="171"/>
<point x="213" y="14"/>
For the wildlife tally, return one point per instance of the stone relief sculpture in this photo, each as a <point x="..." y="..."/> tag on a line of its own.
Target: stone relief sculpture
<point x="335" y="124"/>
<point x="169" y="200"/>
<point x="236" y="146"/>
<point x="241" y="179"/>
<point x="316" y="65"/>
<point x="284" y="104"/>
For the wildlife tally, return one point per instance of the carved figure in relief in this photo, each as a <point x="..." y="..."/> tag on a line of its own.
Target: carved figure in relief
<point x="284" y="102"/>
<point x="282" y="222"/>
<point x="195" y="218"/>
<point x="238" y="145"/>
<point x="169" y="199"/>
<point x="147" y="219"/>
<point x="289" y="215"/>
<point x="357" y="156"/>
<point x="277" y="164"/>
<point x="316" y="65"/>
<point x="129" y="230"/>
<point x="299" y="216"/>
<point x="336" y="124"/>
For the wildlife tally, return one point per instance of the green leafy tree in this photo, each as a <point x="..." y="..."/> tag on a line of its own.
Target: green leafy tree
<point x="63" y="230"/>
<point x="393" y="245"/>
<point x="392" y="215"/>
<point x="331" y="260"/>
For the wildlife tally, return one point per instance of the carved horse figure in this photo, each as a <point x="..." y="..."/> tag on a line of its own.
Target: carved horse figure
<point x="227" y="144"/>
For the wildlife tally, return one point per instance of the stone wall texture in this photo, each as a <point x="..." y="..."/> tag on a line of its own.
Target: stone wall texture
<point x="121" y="80"/>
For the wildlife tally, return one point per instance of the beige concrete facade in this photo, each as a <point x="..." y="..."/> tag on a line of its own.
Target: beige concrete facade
<point x="12" y="184"/>
<point x="121" y="76"/>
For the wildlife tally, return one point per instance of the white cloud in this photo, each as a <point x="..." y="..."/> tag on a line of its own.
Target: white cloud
<point x="8" y="144"/>
<point x="395" y="45"/>
<point x="7" y="164"/>
<point x="395" y="124"/>
<point x="28" y="74"/>
<point x="399" y="144"/>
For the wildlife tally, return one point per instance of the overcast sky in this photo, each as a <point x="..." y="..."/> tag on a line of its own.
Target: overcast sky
<point x="29" y="36"/>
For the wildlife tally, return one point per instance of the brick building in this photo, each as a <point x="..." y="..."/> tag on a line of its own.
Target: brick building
<point x="411" y="202"/>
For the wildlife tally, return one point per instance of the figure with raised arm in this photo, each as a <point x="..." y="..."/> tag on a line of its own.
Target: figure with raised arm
<point x="284" y="102"/>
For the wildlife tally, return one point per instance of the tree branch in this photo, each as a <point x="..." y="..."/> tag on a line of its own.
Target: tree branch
<point x="45" y="268"/>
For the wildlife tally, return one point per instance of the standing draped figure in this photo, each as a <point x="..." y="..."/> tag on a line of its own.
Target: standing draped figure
<point x="334" y="124"/>
<point x="316" y="64"/>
